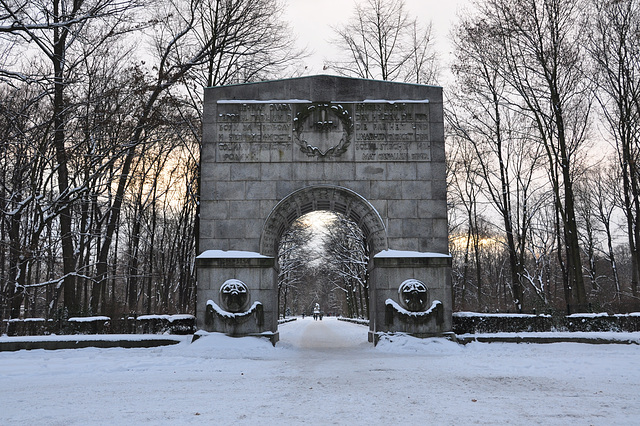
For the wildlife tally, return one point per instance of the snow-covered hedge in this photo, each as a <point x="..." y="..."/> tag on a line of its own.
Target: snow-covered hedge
<point x="359" y="321"/>
<point x="473" y="322"/>
<point x="603" y="322"/>
<point x="26" y="327"/>
<point x="163" y="324"/>
<point x="143" y="324"/>
<point x="41" y="326"/>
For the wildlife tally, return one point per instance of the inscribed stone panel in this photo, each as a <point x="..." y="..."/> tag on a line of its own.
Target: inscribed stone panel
<point x="285" y="131"/>
<point x="395" y="131"/>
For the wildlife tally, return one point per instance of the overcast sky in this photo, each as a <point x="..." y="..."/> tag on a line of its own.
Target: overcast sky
<point x="311" y="20"/>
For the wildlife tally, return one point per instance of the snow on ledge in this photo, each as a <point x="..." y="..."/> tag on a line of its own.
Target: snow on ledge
<point x="28" y="320"/>
<point x="403" y="253"/>
<point x="497" y="315"/>
<point x="306" y="101"/>
<point x="588" y="315"/>
<point x="231" y="254"/>
<point x="630" y="337"/>
<point x="395" y="101"/>
<point x="226" y="314"/>
<point x="88" y="319"/>
<point x="170" y="318"/>
<point x="402" y="310"/>
<point x="94" y="337"/>
<point x="258" y="101"/>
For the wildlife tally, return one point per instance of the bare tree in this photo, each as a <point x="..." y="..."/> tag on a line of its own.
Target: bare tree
<point x="25" y="218"/>
<point x="606" y="188"/>
<point x="464" y="184"/>
<point x="176" y="56"/>
<point x="293" y="259"/>
<point x="109" y="111"/>
<point x="544" y="62"/>
<point x="541" y="272"/>
<point x="347" y="255"/>
<point x="483" y="117"/>
<point x="586" y="210"/>
<point x="55" y="29"/>
<point x="382" y="41"/>
<point x="615" y="49"/>
<point x="597" y="197"/>
<point x="251" y="42"/>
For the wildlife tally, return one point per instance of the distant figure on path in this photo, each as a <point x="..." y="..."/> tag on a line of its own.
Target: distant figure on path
<point x="316" y="312"/>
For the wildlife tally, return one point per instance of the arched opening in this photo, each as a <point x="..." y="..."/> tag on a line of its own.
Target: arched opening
<point x="323" y="265"/>
<point x="349" y="231"/>
<point x="328" y="198"/>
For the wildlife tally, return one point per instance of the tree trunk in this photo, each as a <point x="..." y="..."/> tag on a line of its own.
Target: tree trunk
<point x="59" y="105"/>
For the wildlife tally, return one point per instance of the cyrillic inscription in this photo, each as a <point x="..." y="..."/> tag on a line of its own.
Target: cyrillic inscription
<point x="392" y="132"/>
<point x="266" y="132"/>
<point x="254" y="132"/>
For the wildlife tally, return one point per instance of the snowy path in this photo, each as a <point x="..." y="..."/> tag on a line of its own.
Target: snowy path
<point x="323" y="373"/>
<point x="325" y="335"/>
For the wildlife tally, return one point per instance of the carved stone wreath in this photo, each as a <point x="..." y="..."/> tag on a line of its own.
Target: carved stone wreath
<point x="234" y="295"/>
<point x="314" y="124"/>
<point x="413" y="295"/>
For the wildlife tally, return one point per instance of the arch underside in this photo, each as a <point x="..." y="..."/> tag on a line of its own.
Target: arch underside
<point x="330" y="198"/>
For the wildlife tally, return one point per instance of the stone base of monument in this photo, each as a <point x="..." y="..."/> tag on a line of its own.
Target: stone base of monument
<point x="376" y="337"/>
<point x="271" y="336"/>
<point x="411" y="294"/>
<point x="235" y="294"/>
<point x="234" y="323"/>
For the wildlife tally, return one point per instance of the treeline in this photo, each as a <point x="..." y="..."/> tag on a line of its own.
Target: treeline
<point x="544" y="138"/>
<point x="100" y="112"/>
<point x="100" y="104"/>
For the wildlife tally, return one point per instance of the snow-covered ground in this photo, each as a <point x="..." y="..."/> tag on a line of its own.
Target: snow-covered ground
<point x="324" y="372"/>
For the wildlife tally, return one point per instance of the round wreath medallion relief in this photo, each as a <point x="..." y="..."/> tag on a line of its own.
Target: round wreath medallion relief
<point x="234" y="295"/>
<point x="413" y="295"/>
<point x="323" y="130"/>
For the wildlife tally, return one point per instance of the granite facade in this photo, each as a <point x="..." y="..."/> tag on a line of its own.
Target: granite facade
<point x="272" y="151"/>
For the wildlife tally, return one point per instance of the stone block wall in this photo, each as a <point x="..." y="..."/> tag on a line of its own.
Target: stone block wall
<point x="256" y="272"/>
<point x="372" y="150"/>
<point x="390" y="272"/>
<point x="243" y="180"/>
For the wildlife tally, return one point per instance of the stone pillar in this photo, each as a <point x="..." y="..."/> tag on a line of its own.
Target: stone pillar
<point x="411" y="293"/>
<point x="249" y="273"/>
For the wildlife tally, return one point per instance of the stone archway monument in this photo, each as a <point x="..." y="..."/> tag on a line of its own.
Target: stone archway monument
<point x="371" y="150"/>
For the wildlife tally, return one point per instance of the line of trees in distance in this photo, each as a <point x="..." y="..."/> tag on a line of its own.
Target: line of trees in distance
<point x="544" y="138"/>
<point x="323" y="258"/>
<point x="100" y="112"/>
